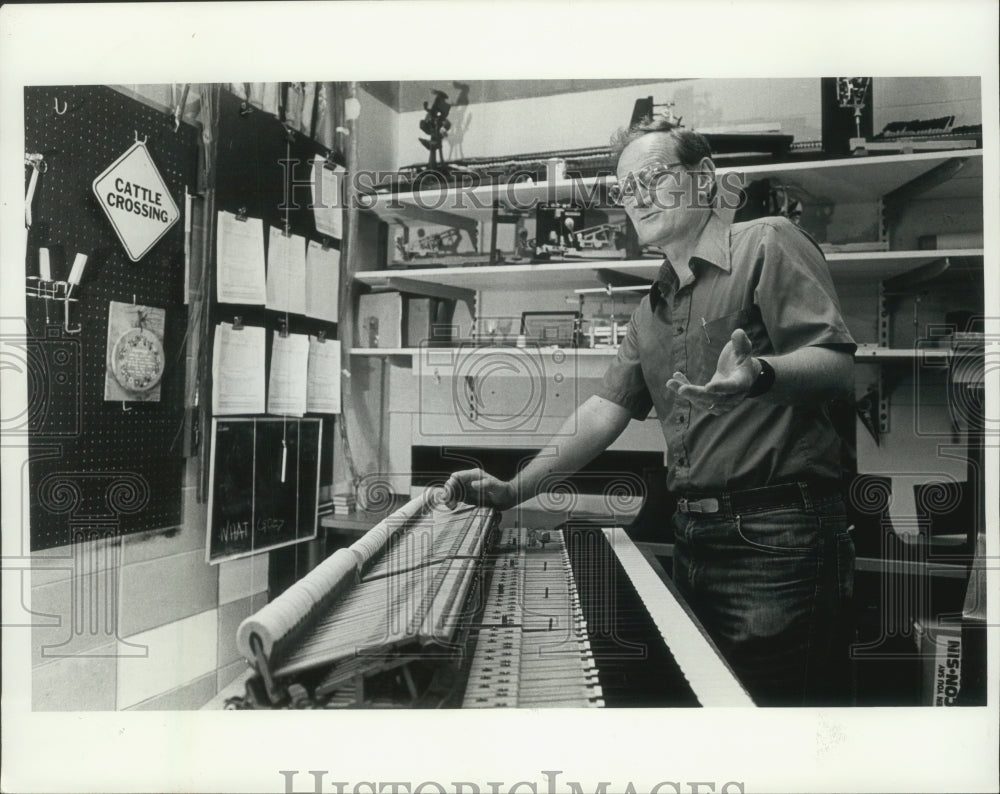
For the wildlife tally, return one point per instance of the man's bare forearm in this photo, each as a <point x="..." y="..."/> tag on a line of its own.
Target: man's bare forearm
<point x="810" y="375"/>
<point x="591" y="429"/>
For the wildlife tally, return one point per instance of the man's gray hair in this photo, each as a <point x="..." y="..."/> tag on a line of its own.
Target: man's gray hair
<point x="691" y="146"/>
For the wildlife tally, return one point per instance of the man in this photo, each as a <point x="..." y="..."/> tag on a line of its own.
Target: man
<point x="739" y="346"/>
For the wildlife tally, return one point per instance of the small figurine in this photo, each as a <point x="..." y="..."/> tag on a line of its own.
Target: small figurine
<point x="435" y="125"/>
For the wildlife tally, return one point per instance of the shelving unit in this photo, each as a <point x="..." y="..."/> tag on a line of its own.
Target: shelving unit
<point x="863" y="199"/>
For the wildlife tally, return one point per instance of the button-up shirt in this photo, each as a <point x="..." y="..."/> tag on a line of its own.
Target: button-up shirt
<point x="769" y="278"/>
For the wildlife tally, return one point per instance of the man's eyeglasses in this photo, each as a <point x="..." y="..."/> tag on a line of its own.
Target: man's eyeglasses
<point x="648" y="179"/>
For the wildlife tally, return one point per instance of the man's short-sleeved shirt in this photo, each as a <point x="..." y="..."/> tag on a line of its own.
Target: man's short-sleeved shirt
<point x="769" y="278"/>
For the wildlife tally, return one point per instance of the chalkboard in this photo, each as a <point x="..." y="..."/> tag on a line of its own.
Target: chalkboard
<point x="251" y="506"/>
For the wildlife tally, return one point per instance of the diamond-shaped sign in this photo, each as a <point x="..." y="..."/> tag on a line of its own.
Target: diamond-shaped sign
<point x="136" y="200"/>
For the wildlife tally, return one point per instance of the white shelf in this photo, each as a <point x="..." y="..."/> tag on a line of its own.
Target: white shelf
<point x="849" y="180"/>
<point x="879" y="265"/>
<point x="876" y="265"/>
<point x="865" y="353"/>
<point x="876" y="353"/>
<point x="471" y="351"/>
<point x="552" y="275"/>
<point x="864" y="179"/>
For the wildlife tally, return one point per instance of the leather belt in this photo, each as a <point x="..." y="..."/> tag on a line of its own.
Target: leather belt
<point x="793" y="494"/>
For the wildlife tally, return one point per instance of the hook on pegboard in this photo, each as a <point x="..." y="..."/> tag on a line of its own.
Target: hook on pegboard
<point x="64" y="108"/>
<point x="144" y="138"/>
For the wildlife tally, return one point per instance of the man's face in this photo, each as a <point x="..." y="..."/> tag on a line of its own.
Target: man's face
<point x="661" y="194"/>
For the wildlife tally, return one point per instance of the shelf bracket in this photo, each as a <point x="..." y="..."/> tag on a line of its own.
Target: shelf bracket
<point x="931" y="178"/>
<point x="913" y="279"/>
<point x="939" y="174"/>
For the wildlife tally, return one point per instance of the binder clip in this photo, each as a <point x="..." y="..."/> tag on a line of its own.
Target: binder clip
<point x="283" y="329"/>
<point x="321" y="337"/>
<point x="241" y="214"/>
<point x="237" y="323"/>
<point x="286" y="229"/>
<point x="327" y="243"/>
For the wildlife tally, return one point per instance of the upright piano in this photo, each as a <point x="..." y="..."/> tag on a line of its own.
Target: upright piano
<point x="441" y="607"/>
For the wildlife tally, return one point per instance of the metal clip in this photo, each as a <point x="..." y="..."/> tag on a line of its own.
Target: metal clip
<point x="179" y="110"/>
<point x="69" y="329"/>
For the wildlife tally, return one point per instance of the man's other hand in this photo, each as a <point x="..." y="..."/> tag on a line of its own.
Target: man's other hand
<point x="734" y="375"/>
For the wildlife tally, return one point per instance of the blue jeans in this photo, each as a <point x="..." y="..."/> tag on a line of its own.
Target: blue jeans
<point x="773" y="589"/>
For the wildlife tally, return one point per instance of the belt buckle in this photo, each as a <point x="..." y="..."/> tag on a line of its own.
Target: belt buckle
<point x="707" y="505"/>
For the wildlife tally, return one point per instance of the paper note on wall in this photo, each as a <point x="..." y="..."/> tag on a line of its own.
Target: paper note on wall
<point x="238" y="370"/>
<point x="286" y="272"/>
<point x="322" y="282"/>
<point x="286" y="387"/>
<point x="323" y="390"/>
<point x="240" y="260"/>
<point x="328" y="209"/>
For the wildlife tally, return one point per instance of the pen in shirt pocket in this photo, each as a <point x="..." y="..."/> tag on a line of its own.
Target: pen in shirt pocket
<point x="704" y="327"/>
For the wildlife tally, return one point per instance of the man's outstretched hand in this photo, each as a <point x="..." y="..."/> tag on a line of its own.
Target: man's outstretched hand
<point x="475" y="486"/>
<point x="734" y="375"/>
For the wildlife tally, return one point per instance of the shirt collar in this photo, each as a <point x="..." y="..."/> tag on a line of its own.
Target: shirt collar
<point x="712" y="248"/>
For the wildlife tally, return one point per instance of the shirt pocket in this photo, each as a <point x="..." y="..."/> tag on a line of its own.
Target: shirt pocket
<point x="710" y="338"/>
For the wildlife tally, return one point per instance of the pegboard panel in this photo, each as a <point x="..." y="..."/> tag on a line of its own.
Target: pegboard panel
<point x="94" y="463"/>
